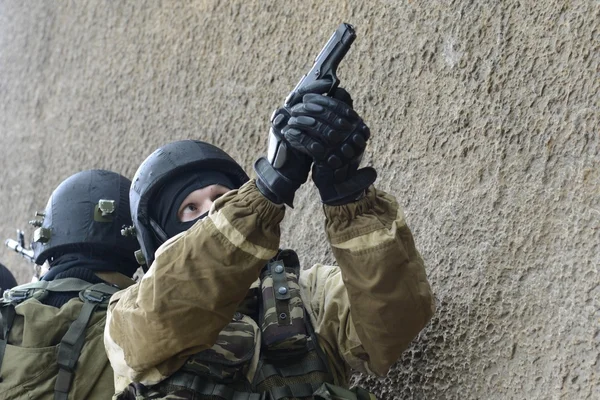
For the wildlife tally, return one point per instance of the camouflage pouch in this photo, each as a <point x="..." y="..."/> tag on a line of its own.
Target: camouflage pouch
<point x="282" y="318"/>
<point x="229" y="359"/>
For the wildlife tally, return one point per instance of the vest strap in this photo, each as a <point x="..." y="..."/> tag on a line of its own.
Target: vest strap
<point x="315" y="344"/>
<point x="24" y="292"/>
<point x="298" y="390"/>
<point x="7" y="317"/>
<point x="268" y="370"/>
<point x="71" y="344"/>
<point x="201" y="387"/>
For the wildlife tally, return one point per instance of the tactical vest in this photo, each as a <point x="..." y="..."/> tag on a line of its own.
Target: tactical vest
<point x="51" y="372"/>
<point x="291" y="364"/>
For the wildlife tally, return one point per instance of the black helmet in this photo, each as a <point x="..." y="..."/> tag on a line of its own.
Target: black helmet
<point x="164" y="164"/>
<point x="86" y="213"/>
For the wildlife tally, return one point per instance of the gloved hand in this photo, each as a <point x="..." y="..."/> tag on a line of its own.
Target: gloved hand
<point x="285" y="169"/>
<point x="329" y="131"/>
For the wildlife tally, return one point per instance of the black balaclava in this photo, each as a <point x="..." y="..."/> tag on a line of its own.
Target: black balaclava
<point x="82" y="264"/>
<point x="165" y="203"/>
<point x="98" y="261"/>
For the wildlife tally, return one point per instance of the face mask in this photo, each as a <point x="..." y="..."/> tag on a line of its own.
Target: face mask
<point x="165" y="204"/>
<point x="184" y="226"/>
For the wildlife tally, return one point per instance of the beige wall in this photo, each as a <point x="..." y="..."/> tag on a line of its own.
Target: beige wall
<point x="485" y="120"/>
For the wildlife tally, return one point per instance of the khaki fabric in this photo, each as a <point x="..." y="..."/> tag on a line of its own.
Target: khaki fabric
<point x="29" y="367"/>
<point x="365" y="312"/>
<point x="193" y="288"/>
<point x="368" y="310"/>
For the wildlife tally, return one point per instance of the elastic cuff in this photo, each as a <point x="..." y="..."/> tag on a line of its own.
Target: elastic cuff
<point x="373" y="201"/>
<point x="250" y="198"/>
<point x="377" y="210"/>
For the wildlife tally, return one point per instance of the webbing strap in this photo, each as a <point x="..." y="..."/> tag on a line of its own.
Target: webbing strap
<point x="201" y="387"/>
<point x="298" y="390"/>
<point x="98" y="293"/>
<point x="58" y="285"/>
<point x="315" y="344"/>
<point x="7" y="317"/>
<point x="297" y="369"/>
<point x="69" y="350"/>
<point x="24" y="292"/>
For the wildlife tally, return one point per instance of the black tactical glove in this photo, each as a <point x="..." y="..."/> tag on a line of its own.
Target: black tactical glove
<point x="285" y="169"/>
<point x="334" y="136"/>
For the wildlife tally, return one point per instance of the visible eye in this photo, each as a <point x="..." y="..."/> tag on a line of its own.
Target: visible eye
<point x="189" y="208"/>
<point x="199" y="202"/>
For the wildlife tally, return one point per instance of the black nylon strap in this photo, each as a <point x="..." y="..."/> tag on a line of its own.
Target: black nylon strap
<point x="298" y="390"/>
<point x="7" y="317"/>
<point x="69" y="350"/>
<point x="315" y="344"/>
<point x="303" y="368"/>
<point x="201" y="387"/>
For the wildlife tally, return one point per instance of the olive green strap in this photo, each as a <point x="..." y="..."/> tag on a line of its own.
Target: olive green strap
<point x="23" y="292"/>
<point x="71" y="344"/>
<point x="7" y="316"/>
<point x="69" y="350"/>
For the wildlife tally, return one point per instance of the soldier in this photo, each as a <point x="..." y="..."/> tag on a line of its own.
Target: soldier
<point x="51" y="343"/>
<point x="222" y="313"/>
<point x="7" y="280"/>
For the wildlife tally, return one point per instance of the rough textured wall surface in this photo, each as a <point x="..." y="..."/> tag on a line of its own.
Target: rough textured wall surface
<point x="486" y="127"/>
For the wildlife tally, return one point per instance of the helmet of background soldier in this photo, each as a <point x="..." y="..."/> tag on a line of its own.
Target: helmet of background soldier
<point x="85" y="214"/>
<point x="166" y="163"/>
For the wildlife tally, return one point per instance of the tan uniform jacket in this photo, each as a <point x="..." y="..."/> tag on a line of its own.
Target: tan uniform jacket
<point x="365" y="312"/>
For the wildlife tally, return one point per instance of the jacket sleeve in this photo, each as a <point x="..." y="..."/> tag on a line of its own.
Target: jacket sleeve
<point x="193" y="288"/>
<point x="368" y="310"/>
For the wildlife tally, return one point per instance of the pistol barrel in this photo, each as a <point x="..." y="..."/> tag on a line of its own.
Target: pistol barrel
<point x="327" y="61"/>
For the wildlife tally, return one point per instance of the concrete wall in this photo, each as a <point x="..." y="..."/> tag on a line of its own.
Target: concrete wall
<point x="485" y="120"/>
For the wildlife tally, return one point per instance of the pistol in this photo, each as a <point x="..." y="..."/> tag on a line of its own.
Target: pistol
<point x="327" y="61"/>
<point x="324" y="67"/>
